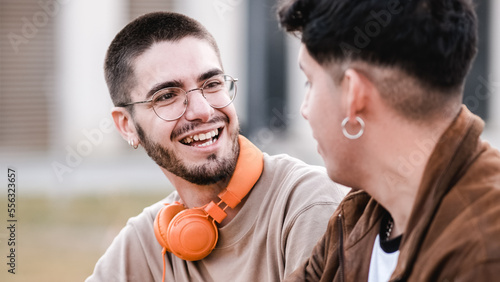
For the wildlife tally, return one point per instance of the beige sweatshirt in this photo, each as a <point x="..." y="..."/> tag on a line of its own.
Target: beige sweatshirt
<point x="285" y="214"/>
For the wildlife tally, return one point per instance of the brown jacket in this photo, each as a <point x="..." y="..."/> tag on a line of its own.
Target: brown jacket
<point x="453" y="233"/>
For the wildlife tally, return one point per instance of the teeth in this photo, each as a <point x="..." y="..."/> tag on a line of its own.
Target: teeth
<point x="201" y="137"/>
<point x="210" y="142"/>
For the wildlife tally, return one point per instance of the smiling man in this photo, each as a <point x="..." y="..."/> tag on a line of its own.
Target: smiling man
<point x="237" y="214"/>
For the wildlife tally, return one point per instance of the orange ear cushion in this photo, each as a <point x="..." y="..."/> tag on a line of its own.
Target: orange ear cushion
<point x="192" y="234"/>
<point x="162" y="221"/>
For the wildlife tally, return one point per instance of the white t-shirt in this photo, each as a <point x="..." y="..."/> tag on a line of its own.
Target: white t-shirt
<point x="382" y="263"/>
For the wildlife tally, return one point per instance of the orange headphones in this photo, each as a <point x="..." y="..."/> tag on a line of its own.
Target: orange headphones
<point x="191" y="234"/>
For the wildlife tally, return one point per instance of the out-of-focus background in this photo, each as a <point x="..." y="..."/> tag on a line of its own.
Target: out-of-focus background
<point x="76" y="180"/>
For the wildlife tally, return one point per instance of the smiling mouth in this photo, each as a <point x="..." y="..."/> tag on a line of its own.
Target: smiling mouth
<point x="202" y="139"/>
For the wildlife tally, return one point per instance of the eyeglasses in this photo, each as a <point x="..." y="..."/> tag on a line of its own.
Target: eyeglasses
<point x="171" y="103"/>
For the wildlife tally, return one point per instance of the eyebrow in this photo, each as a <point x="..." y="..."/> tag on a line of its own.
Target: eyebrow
<point x="177" y="83"/>
<point x="208" y="74"/>
<point x="159" y="86"/>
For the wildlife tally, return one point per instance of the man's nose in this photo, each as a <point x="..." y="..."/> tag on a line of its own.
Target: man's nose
<point x="304" y="108"/>
<point x="198" y="107"/>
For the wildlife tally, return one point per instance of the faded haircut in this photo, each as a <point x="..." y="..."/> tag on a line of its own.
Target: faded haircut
<point x="137" y="37"/>
<point x="430" y="42"/>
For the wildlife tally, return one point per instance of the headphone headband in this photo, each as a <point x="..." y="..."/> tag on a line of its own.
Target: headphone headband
<point x="248" y="169"/>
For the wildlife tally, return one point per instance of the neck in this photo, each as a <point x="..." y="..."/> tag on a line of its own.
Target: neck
<point x="194" y="196"/>
<point x="399" y="167"/>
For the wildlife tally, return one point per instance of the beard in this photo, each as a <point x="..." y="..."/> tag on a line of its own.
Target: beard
<point x="215" y="168"/>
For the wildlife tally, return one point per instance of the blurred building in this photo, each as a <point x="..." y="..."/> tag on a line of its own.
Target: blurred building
<point x="55" y="122"/>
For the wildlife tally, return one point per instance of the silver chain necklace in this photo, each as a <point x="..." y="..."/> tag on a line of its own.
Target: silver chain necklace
<point x="388" y="229"/>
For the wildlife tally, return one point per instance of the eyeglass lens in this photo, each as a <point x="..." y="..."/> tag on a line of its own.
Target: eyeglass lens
<point x="171" y="103"/>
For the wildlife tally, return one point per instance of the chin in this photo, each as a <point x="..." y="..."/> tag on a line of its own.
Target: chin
<point x="338" y="176"/>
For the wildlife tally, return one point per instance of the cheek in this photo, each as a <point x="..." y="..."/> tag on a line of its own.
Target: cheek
<point x="325" y="119"/>
<point x="321" y="109"/>
<point x="157" y="130"/>
<point x="230" y="112"/>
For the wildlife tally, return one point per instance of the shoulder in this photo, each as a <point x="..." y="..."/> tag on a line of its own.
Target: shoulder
<point x="468" y="218"/>
<point x="144" y="221"/>
<point x="132" y="250"/>
<point x="477" y="191"/>
<point x="299" y="180"/>
<point x="299" y="190"/>
<point x="138" y="233"/>
<point x="284" y="162"/>
<point x="284" y="167"/>
<point x="484" y="167"/>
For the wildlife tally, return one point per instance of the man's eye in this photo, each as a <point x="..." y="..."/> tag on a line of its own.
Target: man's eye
<point x="213" y="84"/>
<point x="167" y="96"/>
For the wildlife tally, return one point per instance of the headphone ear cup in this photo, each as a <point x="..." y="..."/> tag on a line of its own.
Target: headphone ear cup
<point x="162" y="221"/>
<point x="192" y="234"/>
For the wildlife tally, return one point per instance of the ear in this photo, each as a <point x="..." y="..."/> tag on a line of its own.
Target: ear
<point x="125" y="124"/>
<point x="358" y="89"/>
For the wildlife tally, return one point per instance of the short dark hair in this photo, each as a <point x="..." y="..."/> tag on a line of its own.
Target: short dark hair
<point x="434" y="41"/>
<point x="138" y="36"/>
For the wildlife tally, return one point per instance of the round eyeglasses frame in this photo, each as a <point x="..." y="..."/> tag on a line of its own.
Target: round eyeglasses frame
<point x="186" y="101"/>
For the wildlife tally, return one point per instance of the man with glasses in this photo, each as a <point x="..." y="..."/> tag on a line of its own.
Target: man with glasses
<point x="237" y="214"/>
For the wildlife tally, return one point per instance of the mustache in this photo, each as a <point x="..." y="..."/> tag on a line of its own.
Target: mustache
<point x="193" y="125"/>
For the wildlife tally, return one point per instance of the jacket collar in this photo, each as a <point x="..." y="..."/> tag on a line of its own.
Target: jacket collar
<point x="451" y="156"/>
